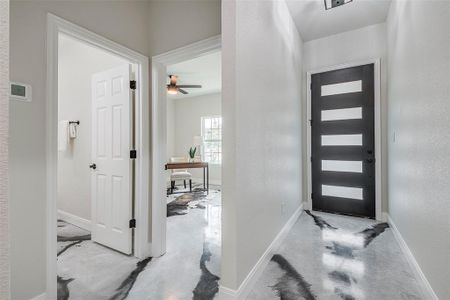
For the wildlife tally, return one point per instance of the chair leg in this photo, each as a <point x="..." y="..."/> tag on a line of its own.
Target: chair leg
<point x="172" y="186"/>
<point x="184" y="181"/>
<point x="190" y="185"/>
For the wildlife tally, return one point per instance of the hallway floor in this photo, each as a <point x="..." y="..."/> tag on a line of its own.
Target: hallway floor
<point x="329" y="256"/>
<point x="89" y="271"/>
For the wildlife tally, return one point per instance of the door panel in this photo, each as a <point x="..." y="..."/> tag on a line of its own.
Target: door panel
<point x="111" y="141"/>
<point x="342" y="141"/>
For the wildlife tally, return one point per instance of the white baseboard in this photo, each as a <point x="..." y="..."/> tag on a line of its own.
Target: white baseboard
<point x="211" y="181"/>
<point x="42" y="296"/>
<point x="74" y="220"/>
<point x="427" y="289"/>
<point x="227" y="294"/>
<point x="248" y="283"/>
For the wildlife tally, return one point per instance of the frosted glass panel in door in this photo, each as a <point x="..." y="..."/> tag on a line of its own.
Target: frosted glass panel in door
<point x="342" y="192"/>
<point x="342" y="166"/>
<point x="342" y="114"/>
<point x="341" y="88"/>
<point x="342" y="140"/>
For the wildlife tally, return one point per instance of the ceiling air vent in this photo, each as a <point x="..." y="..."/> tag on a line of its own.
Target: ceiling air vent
<point x="329" y="4"/>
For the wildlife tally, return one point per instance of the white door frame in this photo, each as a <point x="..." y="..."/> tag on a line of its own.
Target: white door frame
<point x="159" y="131"/>
<point x="377" y="117"/>
<point x="56" y="25"/>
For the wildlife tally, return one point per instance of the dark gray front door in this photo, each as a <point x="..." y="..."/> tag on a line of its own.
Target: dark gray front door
<point x="342" y="141"/>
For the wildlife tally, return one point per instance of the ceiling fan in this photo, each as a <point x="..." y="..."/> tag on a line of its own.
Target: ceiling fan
<point x="173" y="88"/>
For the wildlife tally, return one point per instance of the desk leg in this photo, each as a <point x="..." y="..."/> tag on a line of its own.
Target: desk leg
<point x="204" y="180"/>
<point x="207" y="180"/>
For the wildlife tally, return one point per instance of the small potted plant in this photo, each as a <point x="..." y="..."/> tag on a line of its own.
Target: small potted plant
<point x="192" y="151"/>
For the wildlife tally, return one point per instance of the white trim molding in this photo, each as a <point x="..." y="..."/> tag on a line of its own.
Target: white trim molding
<point x="377" y="118"/>
<point x="211" y="181"/>
<point x="159" y="131"/>
<point x="244" y="289"/>
<point x="427" y="290"/>
<point x="55" y="26"/>
<point x="74" y="220"/>
<point x="42" y="296"/>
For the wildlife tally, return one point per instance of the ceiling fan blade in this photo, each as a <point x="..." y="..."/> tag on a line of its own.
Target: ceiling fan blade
<point x="190" y="86"/>
<point x="182" y="91"/>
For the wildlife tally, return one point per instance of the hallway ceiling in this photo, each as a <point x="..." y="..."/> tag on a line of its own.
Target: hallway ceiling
<point x="314" y="22"/>
<point x="205" y="70"/>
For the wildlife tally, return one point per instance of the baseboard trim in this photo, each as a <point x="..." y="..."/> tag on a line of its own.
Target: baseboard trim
<point x="42" y="296"/>
<point x="74" y="220"/>
<point x="245" y="287"/>
<point x="227" y="294"/>
<point x="426" y="287"/>
<point x="211" y="181"/>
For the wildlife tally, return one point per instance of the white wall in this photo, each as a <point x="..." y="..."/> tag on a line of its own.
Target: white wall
<point x="4" y="115"/>
<point x="187" y="124"/>
<point x="261" y="109"/>
<point x="352" y="46"/>
<point x="77" y="63"/>
<point x="419" y="140"/>
<point x="123" y="22"/>
<point x="178" y="23"/>
<point x="144" y="26"/>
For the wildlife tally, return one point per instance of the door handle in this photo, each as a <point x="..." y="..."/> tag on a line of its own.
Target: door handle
<point x="370" y="160"/>
<point x="93" y="166"/>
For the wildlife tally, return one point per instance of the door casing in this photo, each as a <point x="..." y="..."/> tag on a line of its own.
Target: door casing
<point x="377" y="119"/>
<point x="142" y="245"/>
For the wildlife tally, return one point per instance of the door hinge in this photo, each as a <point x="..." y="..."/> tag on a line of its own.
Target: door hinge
<point x="310" y="122"/>
<point x="132" y="223"/>
<point x="133" y="154"/>
<point x="133" y="84"/>
<point x="311" y="158"/>
<point x="312" y="196"/>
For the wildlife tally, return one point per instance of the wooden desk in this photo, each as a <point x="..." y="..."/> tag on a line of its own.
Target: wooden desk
<point x="193" y="165"/>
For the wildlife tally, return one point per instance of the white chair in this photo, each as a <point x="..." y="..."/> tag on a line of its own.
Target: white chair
<point x="180" y="174"/>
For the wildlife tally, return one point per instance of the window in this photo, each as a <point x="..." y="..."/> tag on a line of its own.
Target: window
<point x="212" y="136"/>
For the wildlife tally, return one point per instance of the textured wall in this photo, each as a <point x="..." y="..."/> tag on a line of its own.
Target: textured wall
<point x="261" y="109"/>
<point x="177" y="23"/>
<point x="149" y="27"/>
<point x="4" y="115"/>
<point x="419" y="139"/>
<point x="125" y="22"/>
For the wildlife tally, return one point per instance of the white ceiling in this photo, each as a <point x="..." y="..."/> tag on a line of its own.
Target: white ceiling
<point x="314" y="22"/>
<point x="205" y="70"/>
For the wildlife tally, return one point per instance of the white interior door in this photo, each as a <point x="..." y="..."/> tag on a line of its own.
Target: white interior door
<point x="111" y="141"/>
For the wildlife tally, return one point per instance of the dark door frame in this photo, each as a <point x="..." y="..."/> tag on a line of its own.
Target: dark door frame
<point x="377" y="117"/>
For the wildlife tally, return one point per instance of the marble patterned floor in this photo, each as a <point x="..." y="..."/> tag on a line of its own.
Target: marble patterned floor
<point x="329" y="256"/>
<point x="188" y="270"/>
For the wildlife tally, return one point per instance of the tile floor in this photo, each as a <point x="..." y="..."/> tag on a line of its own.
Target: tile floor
<point x="329" y="256"/>
<point x="188" y="270"/>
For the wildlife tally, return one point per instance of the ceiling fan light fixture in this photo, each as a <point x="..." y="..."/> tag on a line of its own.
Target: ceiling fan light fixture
<point x="329" y="4"/>
<point x="172" y="90"/>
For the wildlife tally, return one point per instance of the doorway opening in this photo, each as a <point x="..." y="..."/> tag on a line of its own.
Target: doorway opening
<point x="186" y="169"/>
<point x="194" y="168"/>
<point x="97" y="163"/>
<point x="343" y="138"/>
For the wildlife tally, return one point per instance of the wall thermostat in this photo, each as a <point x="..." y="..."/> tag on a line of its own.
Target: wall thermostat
<point x="20" y="91"/>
